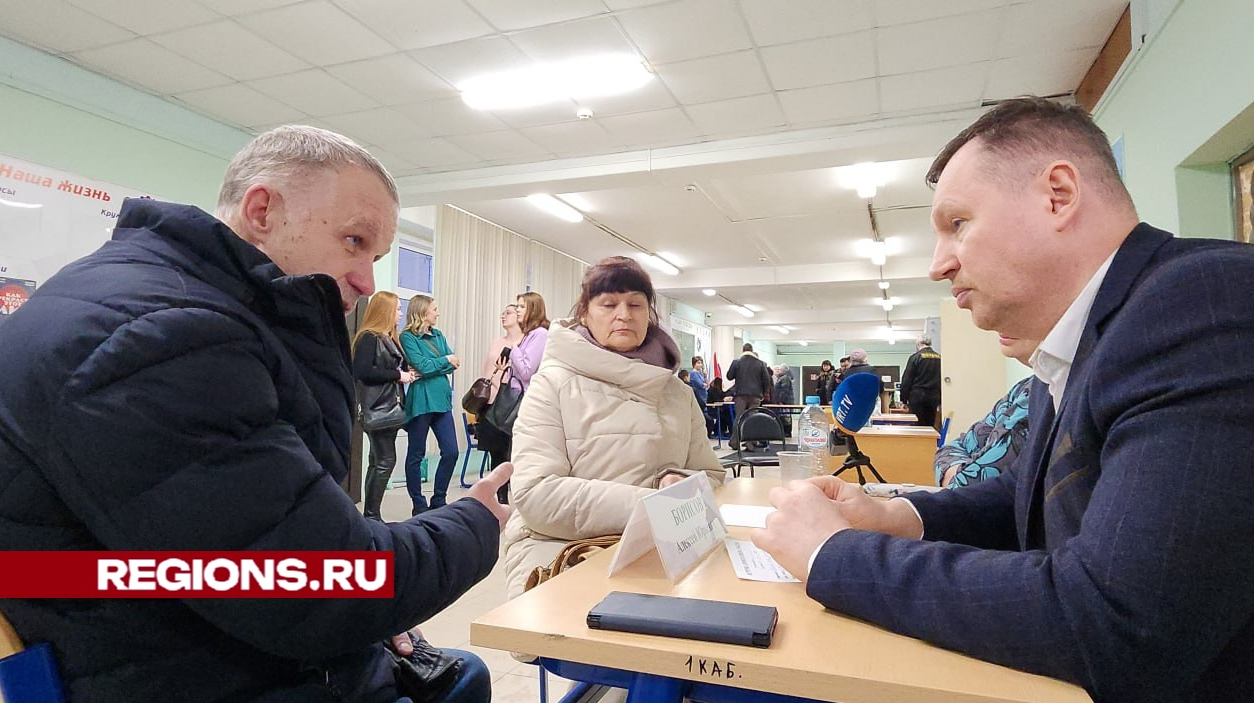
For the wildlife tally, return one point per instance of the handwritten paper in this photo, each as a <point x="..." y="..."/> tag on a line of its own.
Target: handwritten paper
<point x="754" y="564"/>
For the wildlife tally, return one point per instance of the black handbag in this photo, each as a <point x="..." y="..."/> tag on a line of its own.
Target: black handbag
<point x="477" y="398"/>
<point x="426" y="673"/>
<point x="382" y="405"/>
<point x="504" y="410"/>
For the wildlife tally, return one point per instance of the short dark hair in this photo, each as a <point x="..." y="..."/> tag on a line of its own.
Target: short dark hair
<point x="844" y="359"/>
<point x="683" y="374"/>
<point x="615" y="275"/>
<point x="828" y="362"/>
<point x="1029" y="126"/>
<point x="747" y="347"/>
<point x="697" y="358"/>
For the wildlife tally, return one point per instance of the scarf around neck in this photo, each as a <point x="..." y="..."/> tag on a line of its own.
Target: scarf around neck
<point x="657" y="349"/>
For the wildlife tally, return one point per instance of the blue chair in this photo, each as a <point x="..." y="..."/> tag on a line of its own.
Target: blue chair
<point x="472" y="444"/>
<point x="27" y="674"/>
<point x="944" y="429"/>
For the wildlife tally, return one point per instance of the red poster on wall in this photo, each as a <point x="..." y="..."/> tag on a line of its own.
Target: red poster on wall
<point x="13" y="293"/>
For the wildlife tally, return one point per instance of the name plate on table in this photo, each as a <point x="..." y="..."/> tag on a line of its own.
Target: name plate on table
<point x="682" y="521"/>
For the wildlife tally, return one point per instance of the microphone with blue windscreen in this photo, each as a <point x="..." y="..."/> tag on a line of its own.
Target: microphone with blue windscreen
<point x="853" y="402"/>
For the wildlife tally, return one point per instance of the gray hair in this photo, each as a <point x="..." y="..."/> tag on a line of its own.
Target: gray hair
<point x="289" y="152"/>
<point x="925" y="341"/>
<point x="857" y="356"/>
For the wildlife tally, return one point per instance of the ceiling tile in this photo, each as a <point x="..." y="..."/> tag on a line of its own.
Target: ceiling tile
<point x="150" y="66"/>
<point x="149" y="16"/>
<point x="629" y="4"/>
<point x="317" y="32"/>
<point x="378" y="126"/>
<point x="1057" y="25"/>
<point x="466" y="59"/>
<point x="572" y="40"/>
<point x="651" y="96"/>
<point x="926" y="45"/>
<point x="314" y="92"/>
<point x="715" y="77"/>
<point x="414" y="25"/>
<point x="889" y="12"/>
<point x="817" y="62"/>
<point x="230" y="49"/>
<point x="396" y="165"/>
<point x="450" y="116"/>
<point x="956" y="85"/>
<point x="774" y="22"/>
<point x="500" y="146"/>
<point x="243" y="7"/>
<point x="578" y="138"/>
<point x="511" y="14"/>
<point x="830" y="104"/>
<point x="1040" y="74"/>
<point x="738" y="115"/>
<point x="665" y="33"/>
<point x="656" y="128"/>
<point x="393" y="79"/>
<point x="432" y="153"/>
<point x="241" y="105"/>
<point x="57" y="26"/>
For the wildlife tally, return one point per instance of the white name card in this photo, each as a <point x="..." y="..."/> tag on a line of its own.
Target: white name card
<point x="682" y="521"/>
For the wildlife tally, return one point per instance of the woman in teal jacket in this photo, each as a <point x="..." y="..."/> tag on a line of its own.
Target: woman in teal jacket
<point x="429" y="401"/>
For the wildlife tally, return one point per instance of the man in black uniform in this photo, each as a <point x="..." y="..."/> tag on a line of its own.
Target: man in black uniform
<point x="920" y="384"/>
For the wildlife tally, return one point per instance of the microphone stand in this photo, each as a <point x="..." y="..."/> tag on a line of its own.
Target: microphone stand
<point x="857" y="460"/>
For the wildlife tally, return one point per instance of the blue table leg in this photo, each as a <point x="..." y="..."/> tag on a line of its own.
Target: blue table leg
<point x="654" y="688"/>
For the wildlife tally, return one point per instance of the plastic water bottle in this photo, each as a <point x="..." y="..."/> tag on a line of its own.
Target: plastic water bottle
<point x="813" y="433"/>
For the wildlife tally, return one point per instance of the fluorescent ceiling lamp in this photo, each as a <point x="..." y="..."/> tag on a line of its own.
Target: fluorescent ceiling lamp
<point x="754" y="307"/>
<point x="743" y="310"/>
<point x="888" y="305"/>
<point x="15" y="204"/>
<point x="804" y="343"/>
<point x="674" y="260"/>
<point x="884" y="285"/>
<point x="879" y="253"/>
<point x="555" y="207"/>
<point x="539" y="84"/>
<point x="781" y="328"/>
<point x="709" y="292"/>
<point x="658" y="264"/>
<point x="865" y="178"/>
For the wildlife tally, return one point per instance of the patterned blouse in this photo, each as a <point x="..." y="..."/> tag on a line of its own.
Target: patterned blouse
<point x="990" y="446"/>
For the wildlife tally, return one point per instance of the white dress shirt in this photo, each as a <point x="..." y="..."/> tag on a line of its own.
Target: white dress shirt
<point x="1051" y="362"/>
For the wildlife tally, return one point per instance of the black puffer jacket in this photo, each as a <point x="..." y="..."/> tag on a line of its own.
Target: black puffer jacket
<point x="175" y="391"/>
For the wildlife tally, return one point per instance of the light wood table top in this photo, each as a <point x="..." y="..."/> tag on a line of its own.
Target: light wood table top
<point x="816" y="653"/>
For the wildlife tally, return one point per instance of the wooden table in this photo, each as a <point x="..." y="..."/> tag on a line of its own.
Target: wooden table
<point x="895" y="419"/>
<point x="816" y="653"/>
<point x="903" y="454"/>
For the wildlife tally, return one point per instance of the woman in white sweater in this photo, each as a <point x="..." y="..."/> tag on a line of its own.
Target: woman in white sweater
<point x="604" y="422"/>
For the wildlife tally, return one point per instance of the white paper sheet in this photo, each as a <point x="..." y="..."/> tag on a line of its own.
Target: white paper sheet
<point x="754" y="564"/>
<point x="745" y="515"/>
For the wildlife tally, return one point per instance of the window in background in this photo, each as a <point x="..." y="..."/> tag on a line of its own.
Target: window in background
<point x="414" y="273"/>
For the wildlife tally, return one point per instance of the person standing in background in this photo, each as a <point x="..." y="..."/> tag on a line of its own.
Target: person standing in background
<point x="525" y="357"/>
<point x="377" y="359"/>
<point x="783" y="386"/>
<point x="491" y="440"/>
<point x="921" y="383"/>
<point x="701" y="390"/>
<point x="752" y="379"/>
<point x="826" y="382"/>
<point x="429" y="402"/>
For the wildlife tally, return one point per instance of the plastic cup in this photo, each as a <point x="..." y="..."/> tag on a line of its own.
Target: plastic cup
<point x="795" y="465"/>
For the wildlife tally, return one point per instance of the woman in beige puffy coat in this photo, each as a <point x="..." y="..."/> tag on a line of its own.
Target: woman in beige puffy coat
<point x="604" y="422"/>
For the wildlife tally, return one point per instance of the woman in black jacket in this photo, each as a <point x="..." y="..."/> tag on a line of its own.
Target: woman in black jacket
<point x="377" y="359"/>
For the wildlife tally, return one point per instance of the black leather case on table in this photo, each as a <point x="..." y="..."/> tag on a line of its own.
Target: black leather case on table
<point x="680" y="617"/>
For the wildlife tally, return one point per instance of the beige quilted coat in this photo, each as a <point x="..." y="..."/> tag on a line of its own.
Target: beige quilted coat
<point x="596" y="431"/>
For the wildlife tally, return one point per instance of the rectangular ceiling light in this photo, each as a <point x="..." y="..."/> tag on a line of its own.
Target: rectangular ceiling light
<point x="539" y="84"/>
<point x="555" y="207"/>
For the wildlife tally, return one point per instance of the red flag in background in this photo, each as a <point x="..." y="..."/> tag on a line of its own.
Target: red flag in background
<point x="718" y="371"/>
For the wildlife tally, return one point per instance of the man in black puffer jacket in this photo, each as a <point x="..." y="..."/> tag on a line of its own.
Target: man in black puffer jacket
<point x="186" y="387"/>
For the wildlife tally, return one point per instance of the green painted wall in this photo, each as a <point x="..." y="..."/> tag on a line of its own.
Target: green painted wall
<point x="1183" y="109"/>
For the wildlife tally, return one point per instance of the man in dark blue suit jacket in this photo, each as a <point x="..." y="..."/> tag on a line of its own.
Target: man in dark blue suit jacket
<point x="1118" y="553"/>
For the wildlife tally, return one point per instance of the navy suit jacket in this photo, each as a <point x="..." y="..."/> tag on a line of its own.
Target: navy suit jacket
<point x="1118" y="552"/>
